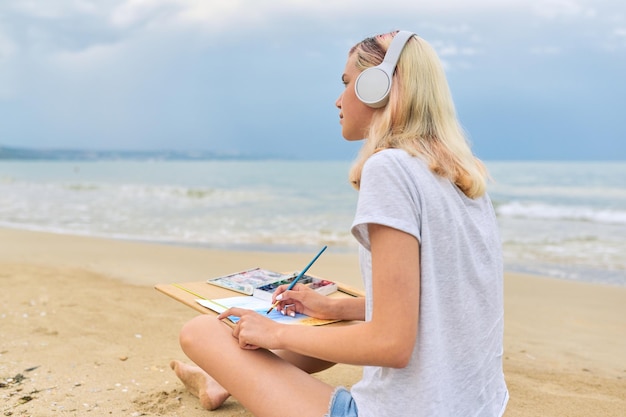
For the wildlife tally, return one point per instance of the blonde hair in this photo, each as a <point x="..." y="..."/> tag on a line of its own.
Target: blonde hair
<point x="420" y="116"/>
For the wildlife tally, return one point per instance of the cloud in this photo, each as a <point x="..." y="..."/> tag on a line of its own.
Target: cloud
<point x="93" y="57"/>
<point x="620" y="33"/>
<point x="7" y="71"/>
<point x="136" y="13"/>
<point x="545" y="50"/>
<point x="76" y="24"/>
<point x="53" y="9"/>
<point x="553" y="9"/>
<point x="8" y="48"/>
<point x="182" y="72"/>
<point x="616" y="41"/>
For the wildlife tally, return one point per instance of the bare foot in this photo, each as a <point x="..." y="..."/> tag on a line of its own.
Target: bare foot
<point x="199" y="383"/>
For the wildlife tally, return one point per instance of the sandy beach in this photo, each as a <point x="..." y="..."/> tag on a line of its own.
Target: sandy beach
<point x="84" y="332"/>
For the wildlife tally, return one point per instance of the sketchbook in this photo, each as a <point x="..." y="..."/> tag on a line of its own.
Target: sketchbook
<point x="258" y="285"/>
<point x="219" y="305"/>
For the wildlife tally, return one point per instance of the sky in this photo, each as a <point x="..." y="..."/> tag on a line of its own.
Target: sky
<point x="531" y="79"/>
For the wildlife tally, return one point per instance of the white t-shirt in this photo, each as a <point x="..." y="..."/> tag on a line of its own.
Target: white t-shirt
<point x="456" y="365"/>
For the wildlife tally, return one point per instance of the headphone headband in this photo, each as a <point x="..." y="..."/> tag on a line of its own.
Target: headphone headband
<point x="373" y="85"/>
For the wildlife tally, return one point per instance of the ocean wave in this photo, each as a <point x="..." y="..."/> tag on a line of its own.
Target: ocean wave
<point x="570" y="219"/>
<point x="533" y="210"/>
<point x="180" y="214"/>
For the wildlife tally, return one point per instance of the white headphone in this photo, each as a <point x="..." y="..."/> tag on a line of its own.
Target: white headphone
<point x="373" y="85"/>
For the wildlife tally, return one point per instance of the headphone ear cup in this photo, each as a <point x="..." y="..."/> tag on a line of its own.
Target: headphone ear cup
<point x="372" y="87"/>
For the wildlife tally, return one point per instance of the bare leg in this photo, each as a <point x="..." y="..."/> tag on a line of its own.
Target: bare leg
<point x="212" y="395"/>
<point x="258" y="379"/>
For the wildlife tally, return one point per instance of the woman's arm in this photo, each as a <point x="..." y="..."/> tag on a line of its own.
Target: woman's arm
<point x="303" y="299"/>
<point x="387" y="340"/>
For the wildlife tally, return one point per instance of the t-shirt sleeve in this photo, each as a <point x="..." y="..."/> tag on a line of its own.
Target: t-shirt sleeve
<point x="388" y="196"/>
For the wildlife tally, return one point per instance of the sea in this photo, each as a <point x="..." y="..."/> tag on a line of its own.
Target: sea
<point x="560" y="219"/>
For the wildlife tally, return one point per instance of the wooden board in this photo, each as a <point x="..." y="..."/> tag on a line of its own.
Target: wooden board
<point x="188" y="292"/>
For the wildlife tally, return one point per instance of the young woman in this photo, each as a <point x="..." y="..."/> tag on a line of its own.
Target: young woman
<point x="431" y="324"/>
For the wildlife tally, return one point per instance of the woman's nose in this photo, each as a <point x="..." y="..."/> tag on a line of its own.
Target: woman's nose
<point x="338" y="101"/>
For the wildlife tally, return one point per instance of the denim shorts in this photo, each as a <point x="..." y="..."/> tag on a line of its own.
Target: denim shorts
<point x="342" y="404"/>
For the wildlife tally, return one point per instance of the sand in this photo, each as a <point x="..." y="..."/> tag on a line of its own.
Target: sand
<point x="83" y="332"/>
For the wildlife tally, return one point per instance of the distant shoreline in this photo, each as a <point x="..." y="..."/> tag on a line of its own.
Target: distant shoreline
<point x="68" y="155"/>
<point x="9" y="153"/>
<point x="21" y="154"/>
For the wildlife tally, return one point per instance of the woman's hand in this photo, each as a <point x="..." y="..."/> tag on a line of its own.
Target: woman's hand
<point x="304" y="300"/>
<point x="253" y="330"/>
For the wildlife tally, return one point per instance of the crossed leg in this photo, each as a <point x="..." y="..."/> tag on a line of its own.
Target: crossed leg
<point x="266" y="383"/>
